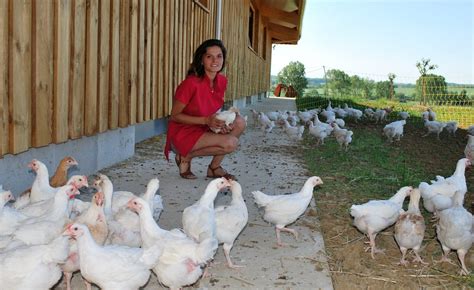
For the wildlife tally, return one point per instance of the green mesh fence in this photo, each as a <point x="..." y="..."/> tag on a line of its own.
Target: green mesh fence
<point x="449" y="102"/>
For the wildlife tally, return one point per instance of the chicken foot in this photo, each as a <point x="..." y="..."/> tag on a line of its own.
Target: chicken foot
<point x="283" y="229"/>
<point x="418" y="258"/>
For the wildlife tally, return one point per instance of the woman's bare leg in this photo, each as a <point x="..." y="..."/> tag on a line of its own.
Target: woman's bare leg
<point x="218" y="145"/>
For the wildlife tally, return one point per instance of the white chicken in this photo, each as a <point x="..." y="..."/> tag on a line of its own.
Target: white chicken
<point x="470" y="130"/>
<point x="112" y="267"/>
<point x="410" y="229"/>
<point x="123" y="223"/>
<point x="45" y="228"/>
<point x="255" y="116"/>
<point x="376" y="215"/>
<point x="451" y="127"/>
<point x="404" y="115"/>
<point x="266" y="125"/>
<point x="319" y="132"/>
<point x="182" y="258"/>
<point x="33" y="267"/>
<point x="41" y="189"/>
<point x="369" y="113"/>
<point x="231" y="220"/>
<point x="434" y="127"/>
<point x="294" y="132"/>
<point x="455" y="231"/>
<point x="343" y="136"/>
<point x="199" y="219"/>
<point x="380" y="115"/>
<point x="282" y="210"/>
<point x="10" y="218"/>
<point x="117" y="200"/>
<point x="438" y="195"/>
<point x="394" y="130"/>
<point x="35" y="209"/>
<point x="469" y="150"/>
<point x="94" y="219"/>
<point x="227" y="116"/>
<point x="429" y="114"/>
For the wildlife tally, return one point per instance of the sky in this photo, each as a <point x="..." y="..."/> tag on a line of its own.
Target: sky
<point x="374" y="38"/>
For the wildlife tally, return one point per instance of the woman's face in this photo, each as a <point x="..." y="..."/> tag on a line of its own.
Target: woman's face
<point x="213" y="59"/>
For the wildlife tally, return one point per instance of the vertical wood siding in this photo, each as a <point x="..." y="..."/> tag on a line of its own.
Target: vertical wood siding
<point x="74" y="68"/>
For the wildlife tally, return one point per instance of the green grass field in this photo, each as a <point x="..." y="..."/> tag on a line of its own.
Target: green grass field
<point x="455" y="89"/>
<point x="464" y="115"/>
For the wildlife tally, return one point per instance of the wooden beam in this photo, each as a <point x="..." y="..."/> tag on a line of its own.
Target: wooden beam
<point x="272" y="13"/>
<point x="283" y="33"/>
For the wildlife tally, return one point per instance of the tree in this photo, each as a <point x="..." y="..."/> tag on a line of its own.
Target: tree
<point x="424" y="66"/>
<point x="294" y="75"/>
<point x="361" y="87"/>
<point x="391" y="77"/>
<point x="339" y="83"/>
<point x="431" y="88"/>
<point x="382" y="89"/>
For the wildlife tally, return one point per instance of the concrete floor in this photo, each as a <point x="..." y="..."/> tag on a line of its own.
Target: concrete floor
<point x="270" y="163"/>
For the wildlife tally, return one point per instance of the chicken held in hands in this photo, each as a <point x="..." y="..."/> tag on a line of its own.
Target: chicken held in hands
<point x="282" y="210"/>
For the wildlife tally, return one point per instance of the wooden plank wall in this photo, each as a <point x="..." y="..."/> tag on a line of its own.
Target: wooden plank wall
<point x="247" y="71"/>
<point x="74" y="68"/>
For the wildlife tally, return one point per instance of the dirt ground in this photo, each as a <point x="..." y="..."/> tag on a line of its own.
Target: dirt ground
<point x="353" y="268"/>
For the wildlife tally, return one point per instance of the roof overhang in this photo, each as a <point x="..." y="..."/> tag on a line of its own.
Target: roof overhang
<point x="284" y="19"/>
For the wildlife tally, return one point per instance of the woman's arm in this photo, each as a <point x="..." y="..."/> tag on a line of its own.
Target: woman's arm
<point x="177" y="115"/>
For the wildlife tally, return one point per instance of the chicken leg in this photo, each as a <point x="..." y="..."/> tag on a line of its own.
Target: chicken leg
<point x="373" y="249"/>
<point x="403" y="262"/>
<point x="227" y="249"/>
<point x="461" y="255"/>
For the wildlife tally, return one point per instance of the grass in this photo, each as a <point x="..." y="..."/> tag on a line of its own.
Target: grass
<point x="463" y="115"/>
<point x="369" y="169"/>
<point x="372" y="168"/>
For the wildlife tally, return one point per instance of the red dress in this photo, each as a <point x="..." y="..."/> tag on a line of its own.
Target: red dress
<point x="200" y="100"/>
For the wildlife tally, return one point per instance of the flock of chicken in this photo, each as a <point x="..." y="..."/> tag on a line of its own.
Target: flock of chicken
<point x="114" y="240"/>
<point x="294" y="123"/>
<point x="443" y="197"/>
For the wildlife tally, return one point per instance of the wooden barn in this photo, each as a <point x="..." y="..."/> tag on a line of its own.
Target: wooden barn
<point x="90" y="78"/>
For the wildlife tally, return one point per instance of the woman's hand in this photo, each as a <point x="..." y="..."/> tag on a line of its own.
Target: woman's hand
<point x="213" y="122"/>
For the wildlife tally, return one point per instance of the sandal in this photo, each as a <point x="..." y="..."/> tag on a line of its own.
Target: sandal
<point x="211" y="173"/>
<point x="187" y="174"/>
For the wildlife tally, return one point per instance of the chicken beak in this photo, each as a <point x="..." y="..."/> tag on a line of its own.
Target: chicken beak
<point x="67" y="232"/>
<point x="131" y="206"/>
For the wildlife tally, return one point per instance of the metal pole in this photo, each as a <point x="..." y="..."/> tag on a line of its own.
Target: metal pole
<point x="326" y="82"/>
<point x="218" y="19"/>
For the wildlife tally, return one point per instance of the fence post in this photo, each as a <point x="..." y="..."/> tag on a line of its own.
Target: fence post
<point x="423" y="92"/>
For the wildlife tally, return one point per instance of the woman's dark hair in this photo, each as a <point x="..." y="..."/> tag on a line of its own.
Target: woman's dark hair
<point x="197" y="68"/>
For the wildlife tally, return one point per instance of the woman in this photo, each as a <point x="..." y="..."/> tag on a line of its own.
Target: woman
<point x="197" y="100"/>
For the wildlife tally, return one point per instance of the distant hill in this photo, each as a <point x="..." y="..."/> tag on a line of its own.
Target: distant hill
<point x="312" y="82"/>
